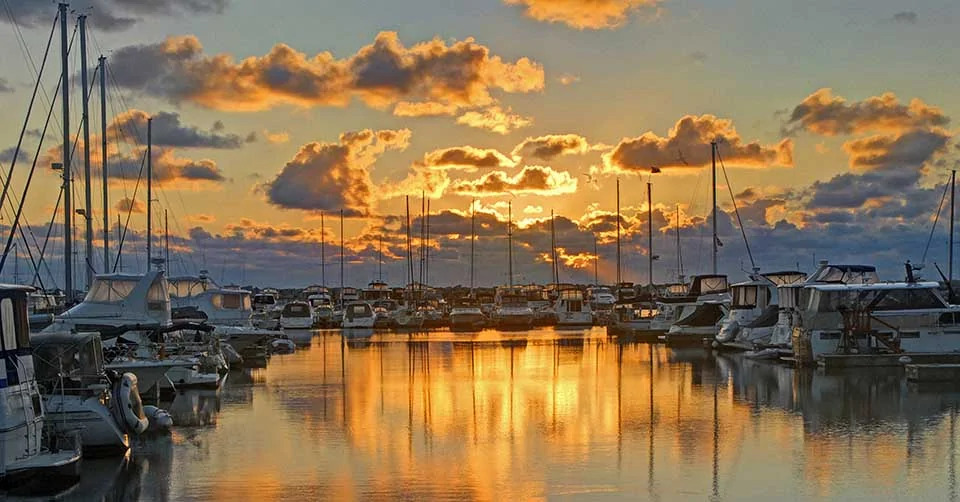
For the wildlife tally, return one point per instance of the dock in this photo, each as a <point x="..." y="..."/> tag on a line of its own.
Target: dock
<point x="933" y="372"/>
<point x="843" y="361"/>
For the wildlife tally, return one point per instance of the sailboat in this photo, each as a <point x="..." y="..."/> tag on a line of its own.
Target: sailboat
<point x="513" y="309"/>
<point x="466" y="314"/>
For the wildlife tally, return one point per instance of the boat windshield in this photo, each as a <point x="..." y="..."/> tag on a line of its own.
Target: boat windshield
<point x="876" y="299"/>
<point x="186" y="287"/>
<point x="110" y="290"/>
<point x="231" y="301"/>
<point x="79" y="363"/>
<point x="296" y="310"/>
<point x="744" y="297"/>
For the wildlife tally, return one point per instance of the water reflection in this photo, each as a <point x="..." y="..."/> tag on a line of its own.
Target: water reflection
<point x="487" y="416"/>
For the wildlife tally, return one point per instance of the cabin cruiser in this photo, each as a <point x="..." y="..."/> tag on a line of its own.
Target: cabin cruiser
<point x="265" y="300"/>
<point x="513" y="312"/>
<point x="322" y="304"/>
<point x="130" y="312"/>
<point x="701" y="320"/>
<point x="78" y="396"/>
<point x="296" y="315"/>
<point x="792" y="298"/>
<point x="572" y="310"/>
<point x="602" y="302"/>
<point x="358" y="319"/>
<point x="23" y="452"/>
<point x="349" y="294"/>
<point x="392" y="315"/>
<point x="887" y="317"/>
<point x="376" y="290"/>
<point x="466" y="315"/>
<point x="754" y="310"/>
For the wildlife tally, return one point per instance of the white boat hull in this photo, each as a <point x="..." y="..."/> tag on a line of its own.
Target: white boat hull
<point x="99" y="432"/>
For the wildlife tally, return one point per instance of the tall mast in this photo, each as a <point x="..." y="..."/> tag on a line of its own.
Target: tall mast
<point x="166" y="241"/>
<point x="323" y="258"/>
<point x="409" y="247"/>
<point x="596" y="262"/>
<point x="713" y="195"/>
<point x="553" y="251"/>
<point x="67" y="207"/>
<point x="510" y="244"/>
<point x="149" y="191"/>
<point x="679" y="255"/>
<point x="119" y="255"/>
<point x="380" y="261"/>
<point x="473" y="238"/>
<point x="953" y="186"/>
<point x="103" y="164"/>
<point x="649" y="234"/>
<point x="87" y="195"/>
<point x="341" y="256"/>
<point x="619" y="278"/>
<point x="426" y="248"/>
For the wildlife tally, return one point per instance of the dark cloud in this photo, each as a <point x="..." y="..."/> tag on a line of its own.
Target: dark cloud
<point x="424" y="76"/>
<point x="127" y="204"/>
<point x="531" y="180"/>
<point x="825" y="114"/>
<point x="687" y="145"/>
<point x="585" y="14"/>
<point x="167" y="130"/>
<point x="111" y="15"/>
<point x="908" y="150"/>
<point x="333" y="176"/>
<point x="6" y="155"/>
<point x="5" y="85"/>
<point x="551" y="146"/>
<point x="905" y="17"/>
<point x="467" y="157"/>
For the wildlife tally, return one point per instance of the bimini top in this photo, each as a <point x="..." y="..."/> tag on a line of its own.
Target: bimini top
<point x="785" y="277"/>
<point x="706" y="284"/>
<point x="62" y="338"/>
<point x="16" y="287"/>
<point x="845" y="274"/>
<point x="880" y="286"/>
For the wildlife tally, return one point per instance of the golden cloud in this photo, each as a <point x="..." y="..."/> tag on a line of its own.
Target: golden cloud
<point x="495" y="119"/>
<point x="584" y="14"/>
<point x="531" y="180"/>
<point x="828" y="115"/>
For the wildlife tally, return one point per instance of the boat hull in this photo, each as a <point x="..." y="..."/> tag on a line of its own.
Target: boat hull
<point x="100" y="435"/>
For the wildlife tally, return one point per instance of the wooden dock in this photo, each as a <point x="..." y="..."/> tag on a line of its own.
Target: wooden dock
<point x="933" y="372"/>
<point x="843" y="361"/>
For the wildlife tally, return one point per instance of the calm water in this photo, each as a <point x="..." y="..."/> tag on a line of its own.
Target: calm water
<point x="554" y="415"/>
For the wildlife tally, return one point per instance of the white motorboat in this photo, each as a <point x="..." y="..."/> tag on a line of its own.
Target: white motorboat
<point x="702" y="321"/>
<point x="513" y="312"/>
<point x="78" y="396"/>
<point x="296" y="315"/>
<point x="466" y="315"/>
<point x="358" y="315"/>
<point x="754" y="310"/>
<point x="265" y="300"/>
<point x="572" y="310"/>
<point x="888" y="317"/>
<point x="23" y="454"/>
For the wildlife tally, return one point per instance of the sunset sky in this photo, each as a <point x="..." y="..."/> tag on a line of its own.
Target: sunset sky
<point x="834" y="122"/>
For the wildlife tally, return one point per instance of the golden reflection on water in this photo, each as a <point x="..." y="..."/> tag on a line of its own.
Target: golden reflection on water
<point x="491" y="417"/>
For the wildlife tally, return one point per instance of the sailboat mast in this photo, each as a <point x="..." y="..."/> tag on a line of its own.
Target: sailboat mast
<point x="510" y="244"/>
<point x="649" y="233"/>
<point x="87" y="194"/>
<point x="67" y="191"/>
<point x="553" y="251"/>
<point x="323" y="258"/>
<point x="953" y="186"/>
<point x="426" y="248"/>
<point x="166" y="240"/>
<point x="149" y="191"/>
<point x="596" y="262"/>
<point x="679" y="255"/>
<point x="380" y="261"/>
<point x="103" y="164"/>
<point x="409" y="246"/>
<point x="713" y="194"/>
<point x="619" y="278"/>
<point x="341" y="257"/>
<point x="473" y="238"/>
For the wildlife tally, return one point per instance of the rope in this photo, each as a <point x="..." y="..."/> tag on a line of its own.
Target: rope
<point x="736" y="210"/>
<point x="936" y="218"/>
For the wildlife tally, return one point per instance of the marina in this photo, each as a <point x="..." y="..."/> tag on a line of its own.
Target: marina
<point x="576" y="416"/>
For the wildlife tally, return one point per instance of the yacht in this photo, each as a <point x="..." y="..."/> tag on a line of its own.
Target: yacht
<point x="754" y="310"/>
<point x="24" y="456"/>
<point x="701" y="320"/>
<point x="513" y="312"/>
<point x="78" y="396"/>
<point x="466" y="315"/>
<point x="887" y="317"/>
<point x="322" y="304"/>
<point x="358" y="319"/>
<point x="572" y="310"/>
<point x="265" y="300"/>
<point x="296" y="315"/>
<point x="376" y="290"/>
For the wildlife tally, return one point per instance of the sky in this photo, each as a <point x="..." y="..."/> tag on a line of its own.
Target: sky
<point x="833" y="122"/>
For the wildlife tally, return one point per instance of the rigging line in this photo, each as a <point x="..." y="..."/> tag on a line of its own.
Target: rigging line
<point x="126" y="225"/>
<point x="25" y="49"/>
<point x="936" y="218"/>
<point x="53" y="216"/>
<point x="736" y="210"/>
<point x="23" y="198"/>
<point x="26" y="121"/>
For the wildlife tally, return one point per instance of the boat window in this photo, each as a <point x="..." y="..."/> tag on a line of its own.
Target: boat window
<point x="907" y="299"/>
<point x="246" y="302"/>
<point x="789" y="297"/>
<point x="109" y="290"/>
<point x="9" y="324"/>
<point x="950" y="318"/>
<point x="744" y="297"/>
<point x="358" y="309"/>
<point x="232" y="301"/>
<point x="264" y="299"/>
<point x="574" y="305"/>
<point x="296" y="310"/>
<point x="157" y="296"/>
<point x="22" y="321"/>
<point x="217" y="301"/>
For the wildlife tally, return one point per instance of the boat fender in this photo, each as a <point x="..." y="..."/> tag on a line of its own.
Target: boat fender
<point x="127" y="397"/>
<point x="729" y="332"/>
<point x="160" y="420"/>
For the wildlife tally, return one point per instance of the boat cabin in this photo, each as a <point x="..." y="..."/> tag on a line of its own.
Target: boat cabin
<point x="296" y="309"/>
<point x="68" y="362"/>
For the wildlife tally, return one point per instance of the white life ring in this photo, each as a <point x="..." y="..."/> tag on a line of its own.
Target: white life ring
<point x="129" y="405"/>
